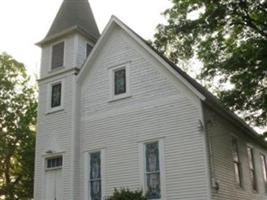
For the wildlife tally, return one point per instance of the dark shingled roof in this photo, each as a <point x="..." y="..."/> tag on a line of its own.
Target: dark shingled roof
<point x="74" y="14"/>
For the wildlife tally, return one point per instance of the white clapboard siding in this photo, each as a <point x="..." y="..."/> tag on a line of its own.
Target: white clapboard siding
<point x="54" y="132"/>
<point x="160" y="107"/>
<point x="220" y="133"/>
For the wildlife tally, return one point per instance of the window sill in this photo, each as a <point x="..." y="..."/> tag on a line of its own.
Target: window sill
<point x="52" y="169"/>
<point x="54" y="110"/>
<point x="119" y="97"/>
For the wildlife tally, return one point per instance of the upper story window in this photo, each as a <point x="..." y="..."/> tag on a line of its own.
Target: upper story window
<point x="95" y="180"/>
<point x="252" y="170"/>
<point x="54" y="162"/>
<point x="88" y="49"/>
<point x="264" y="170"/>
<point x="152" y="170"/>
<point x="120" y="81"/>
<point x="57" y="55"/>
<point x="56" y="95"/>
<point x="236" y="161"/>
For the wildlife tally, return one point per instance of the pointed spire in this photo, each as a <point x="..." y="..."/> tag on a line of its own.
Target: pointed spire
<point x="74" y="14"/>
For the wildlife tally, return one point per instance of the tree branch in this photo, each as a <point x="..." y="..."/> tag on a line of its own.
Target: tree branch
<point x="249" y="21"/>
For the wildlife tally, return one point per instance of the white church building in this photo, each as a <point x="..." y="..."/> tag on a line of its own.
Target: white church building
<point x="113" y="113"/>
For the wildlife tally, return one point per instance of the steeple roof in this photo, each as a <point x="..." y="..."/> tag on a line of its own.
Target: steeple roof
<point x="73" y="15"/>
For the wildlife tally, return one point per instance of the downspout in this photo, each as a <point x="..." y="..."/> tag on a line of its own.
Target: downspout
<point x="207" y="123"/>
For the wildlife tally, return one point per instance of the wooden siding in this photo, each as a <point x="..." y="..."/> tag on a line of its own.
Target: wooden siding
<point x="220" y="133"/>
<point x="56" y="130"/>
<point x="54" y="133"/>
<point x="159" y="107"/>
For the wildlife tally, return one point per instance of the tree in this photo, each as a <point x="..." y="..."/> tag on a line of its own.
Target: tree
<point x="17" y="130"/>
<point x="126" y="194"/>
<point x="230" y="38"/>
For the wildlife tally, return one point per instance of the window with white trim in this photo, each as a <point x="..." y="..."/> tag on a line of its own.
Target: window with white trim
<point x="252" y="171"/>
<point x="119" y="82"/>
<point x="57" y="55"/>
<point x="56" y="90"/>
<point x="237" y="163"/>
<point x="54" y="162"/>
<point x="152" y="170"/>
<point x="264" y="170"/>
<point x="95" y="176"/>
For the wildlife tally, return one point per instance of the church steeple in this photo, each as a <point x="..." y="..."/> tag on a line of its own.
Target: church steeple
<point x="73" y="15"/>
<point x="65" y="49"/>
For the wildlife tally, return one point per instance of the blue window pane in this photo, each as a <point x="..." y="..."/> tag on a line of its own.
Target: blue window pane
<point x="153" y="186"/>
<point x="95" y="165"/>
<point x="120" y="81"/>
<point x="59" y="161"/>
<point x="53" y="162"/>
<point x="96" y="190"/>
<point x="56" y="95"/>
<point x="49" y="163"/>
<point x="95" y="176"/>
<point x="152" y="157"/>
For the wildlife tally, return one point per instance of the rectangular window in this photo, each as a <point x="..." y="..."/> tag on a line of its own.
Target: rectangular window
<point x="120" y="81"/>
<point x="236" y="161"/>
<point x="57" y="55"/>
<point x="95" y="176"/>
<point x="264" y="170"/>
<point x="152" y="170"/>
<point x="119" y="77"/>
<point x="88" y="49"/>
<point x="54" y="163"/>
<point x="252" y="171"/>
<point x="56" y="95"/>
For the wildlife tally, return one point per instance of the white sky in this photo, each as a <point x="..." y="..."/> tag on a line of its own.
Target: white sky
<point x="25" y="22"/>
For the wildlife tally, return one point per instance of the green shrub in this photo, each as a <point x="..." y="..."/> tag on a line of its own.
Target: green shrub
<point x="126" y="194"/>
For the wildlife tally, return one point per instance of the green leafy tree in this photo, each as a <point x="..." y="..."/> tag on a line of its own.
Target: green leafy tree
<point x="230" y="38"/>
<point x="126" y="194"/>
<point x="17" y="130"/>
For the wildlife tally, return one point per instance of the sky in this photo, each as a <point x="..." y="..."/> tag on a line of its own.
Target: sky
<point x="26" y="22"/>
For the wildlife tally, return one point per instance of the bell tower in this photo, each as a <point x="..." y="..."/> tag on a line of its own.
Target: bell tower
<point x="65" y="48"/>
<point x="74" y="27"/>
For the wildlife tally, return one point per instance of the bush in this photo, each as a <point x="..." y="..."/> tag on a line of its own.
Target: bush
<point x="126" y="194"/>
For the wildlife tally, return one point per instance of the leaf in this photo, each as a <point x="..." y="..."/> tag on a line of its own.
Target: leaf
<point x="17" y="142"/>
<point x="230" y="39"/>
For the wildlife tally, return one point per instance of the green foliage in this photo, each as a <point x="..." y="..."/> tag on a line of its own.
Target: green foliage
<point x="230" y="38"/>
<point x="17" y="130"/>
<point x="126" y="194"/>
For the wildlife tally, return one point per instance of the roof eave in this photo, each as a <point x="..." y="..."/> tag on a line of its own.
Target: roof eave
<point x="235" y="120"/>
<point x="68" y="31"/>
